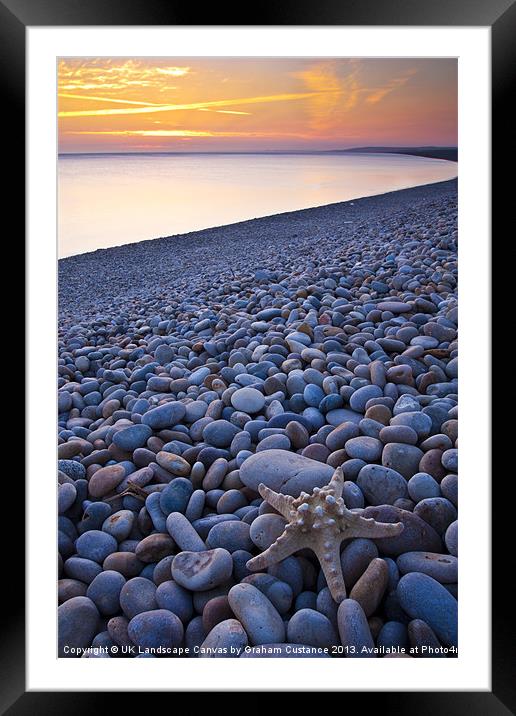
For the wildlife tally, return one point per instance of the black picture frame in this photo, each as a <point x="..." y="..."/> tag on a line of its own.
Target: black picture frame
<point x="500" y="16"/>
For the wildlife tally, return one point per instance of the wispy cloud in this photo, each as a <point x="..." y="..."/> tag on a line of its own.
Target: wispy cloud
<point x="187" y="133"/>
<point x="192" y="105"/>
<point x="107" y="99"/>
<point x="334" y="93"/>
<point x="376" y="95"/>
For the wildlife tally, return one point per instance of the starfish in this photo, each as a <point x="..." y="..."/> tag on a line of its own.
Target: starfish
<point x="319" y="522"/>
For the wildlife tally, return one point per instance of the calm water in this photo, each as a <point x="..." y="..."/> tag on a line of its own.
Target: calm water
<point x="111" y="200"/>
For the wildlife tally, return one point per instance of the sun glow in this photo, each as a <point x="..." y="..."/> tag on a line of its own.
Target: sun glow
<point x="244" y="104"/>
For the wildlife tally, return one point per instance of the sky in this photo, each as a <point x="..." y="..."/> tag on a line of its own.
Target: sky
<point x="254" y="104"/>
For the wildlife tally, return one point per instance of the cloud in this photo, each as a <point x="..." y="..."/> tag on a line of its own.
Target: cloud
<point x="377" y="95"/>
<point x="106" y="99"/>
<point x="333" y="93"/>
<point x="186" y="133"/>
<point x="193" y="105"/>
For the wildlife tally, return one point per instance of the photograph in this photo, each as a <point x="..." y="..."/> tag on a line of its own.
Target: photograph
<point x="257" y="357"/>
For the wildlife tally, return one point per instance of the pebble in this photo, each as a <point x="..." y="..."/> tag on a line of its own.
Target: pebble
<point x="230" y="536"/>
<point x="361" y="396"/>
<point x="266" y="529"/>
<point x="257" y="615"/>
<point x="416" y="535"/>
<point x="280" y="593"/>
<point x="200" y="571"/>
<point x="355" y="635"/>
<point x="371" y="586"/>
<point x="248" y="400"/>
<point x="284" y="472"/>
<point x="131" y="438"/>
<point x="442" y="567"/>
<point x="156" y="629"/>
<point x="105" y="480"/>
<point x="381" y="485"/>
<point x="104" y="592"/>
<point x="175" y="496"/>
<point x="437" y="512"/>
<point x="308" y="626"/>
<point x="403" y="458"/>
<point x="424" y="598"/>
<point x="219" y="433"/>
<point x="364" y="448"/>
<point x="422" y="485"/>
<point x="355" y="558"/>
<point x="164" y="416"/>
<point x="183" y="534"/>
<point x="451" y="538"/>
<point x="227" y="640"/>
<point x="77" y="620"/>
<point x="176" y="599"/>
<point x="138" y="595"/>
<point x="95" y="545"/>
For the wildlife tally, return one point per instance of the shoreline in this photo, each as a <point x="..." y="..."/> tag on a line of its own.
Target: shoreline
<point x="268" y="217"/>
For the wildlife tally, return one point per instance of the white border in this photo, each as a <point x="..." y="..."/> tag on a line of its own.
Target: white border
<point x="471" y="670"/>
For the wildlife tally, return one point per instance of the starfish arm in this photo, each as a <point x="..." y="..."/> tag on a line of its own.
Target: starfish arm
<point x="371" y="529"/>
<point x="337" y="482"/>
<point x="282" y="548"/>
<point x="332" y="570"/>
<point x="281" y="503"/>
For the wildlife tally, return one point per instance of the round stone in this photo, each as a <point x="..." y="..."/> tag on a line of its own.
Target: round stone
<point x="451" y="538"/>
<point x="176" y="599"/>
<point x="381" y="485"/>
<point x="105" y="590"/>
<point x="183" y="534"/>
<point x="164" y="416"/>
<point x="227" y="640"/>
<point x="370" y="588"/>
<point x="402" y="458"/>
<point x="105" y="480"/>
<point x="422" y="597"/>
<point x="231" y="536"/>
<point x="437" y="512"/>
<point x="442" y="567"/>
<point x="266" y="529"/>
<point x="156" y="629"/>
<point x="77" y="623"/>
<point x="364" y="448"/>
<point x="284" y="472"/>
<point x="308" y="626"/>
<point x="175" y="496"/>
<point x="416" y="535"/>
<point x="355" y="635"/>
<point x="138" y="595"/>
<point x="257" y="615"/>
<point x="133" y="437"/>
<point x="220" y="433"/>
<point x="361" y="396"/>
<point x="248" y="400"/>
<point x="279" y="593"/>
<point x="200" y="571"/>
<point x="422" y="485"/>
<point x="95" y="545"/>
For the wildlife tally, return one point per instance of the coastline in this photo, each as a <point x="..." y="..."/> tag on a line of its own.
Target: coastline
<point x="117" y="275"/>
<point x="270" y="217"/>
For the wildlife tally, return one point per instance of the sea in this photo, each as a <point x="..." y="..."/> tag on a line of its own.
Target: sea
<point x="107" y="200"/>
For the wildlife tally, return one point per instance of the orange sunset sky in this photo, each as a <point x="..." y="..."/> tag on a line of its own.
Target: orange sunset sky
<point x="228" y="104"/>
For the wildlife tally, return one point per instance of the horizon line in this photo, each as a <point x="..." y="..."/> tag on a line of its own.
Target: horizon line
<point x="268" y="151"/>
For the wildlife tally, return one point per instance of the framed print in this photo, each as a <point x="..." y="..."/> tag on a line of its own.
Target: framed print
<point x="253" y="249"/>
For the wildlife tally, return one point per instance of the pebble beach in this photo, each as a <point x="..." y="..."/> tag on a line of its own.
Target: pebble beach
<point x="311" y="355"/>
